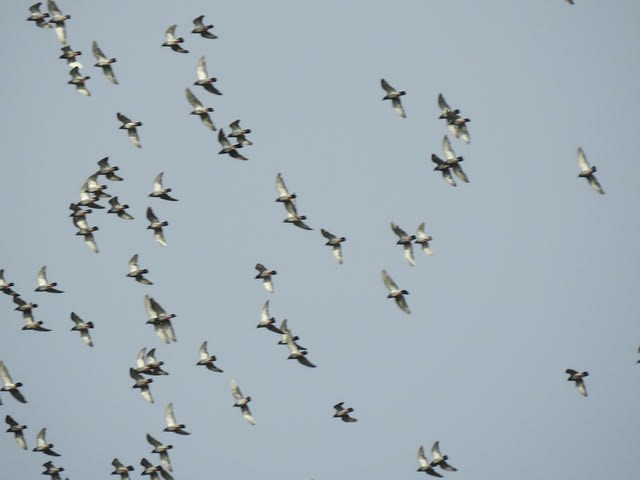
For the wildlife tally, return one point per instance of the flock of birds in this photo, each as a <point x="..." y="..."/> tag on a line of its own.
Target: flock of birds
<point x="146" y="363"/>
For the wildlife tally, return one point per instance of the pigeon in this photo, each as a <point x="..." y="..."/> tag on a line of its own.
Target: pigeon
<point x="578" y="378"/>
<point x="153" y="471"/>
<point x="120" y="469"/>
<point x="82" y="327"/>
<point x="440" y="460"/>
<point x="242" y="402"/>
<point x="200" y="110"/>
<point x="457" y="125"/>
<point x="162" y="450"/>
<point x="143" y="384"/>
<point x="265" y="274"/>
<point x="266" y="321"/>
<point x="22" y="305"/>
<point x="587" y="171"/>
<point x="52" y="470"/>
<point x="159" y="191"/>
<point x="240" y="133"/>
<point x="87" y="232"/>
<point x="424" y="465"/>
<point x="405" y="240"/>
<point x="43" y="446"/>
<point x="136" y="272"/>
<point x="206" y="359"/>
<point x="343" y="413"/>
<point x="78" y="80"/>
<point x="119" y="209"/>
<point x="104" y="62"/>
<point x="334" y="242"/>
<point x="147" y="364"/>
<point x="287" y="336"/>
<point x="38" y="17"/>
<point x="31" y="324"/>
<point x="204" y="80"/>
<point x="92" y="187"/>
<point x="16" y="428"/>
<point x="70" y="55"/>
<point x="295" y="353"/>
<point x="87" y="200"/>
<point x="43" y="283"/>
<point x="201" y="28"/>
<point x="395" y="292"/>
<point x="452" y="160"/>
<point x="108" y="170"/>
<point x="228" y="148"/>
<point x="445" y="168"/>
<point x="294" y="218"/>
<point x="156" y="225"/>
<point x="5" y="286"/>
<point x="172" y="41"/>
<point x="131" y="128"/>
<point x="160" y="319"/>
<point x="283" y="194"/>
<point x="393" y="95"/>
<point x="423" y="239"/>
<point x="170" y="419"/>
<point x="58" y="19"/>
<point x="78" y="212"/>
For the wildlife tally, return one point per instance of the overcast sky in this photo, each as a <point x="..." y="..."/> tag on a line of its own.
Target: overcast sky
<point x="533" y="272"/>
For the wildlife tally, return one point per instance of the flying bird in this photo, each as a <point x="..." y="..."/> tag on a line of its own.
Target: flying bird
<point x="16" y="428"/>
<point x="334" y="242"/>
<point x="43" y="446"/>
<point x="204" y="80"/>
<point x="87" y="200"/>
<point x="148" y="364"/>
<point x="343" y="413"/>
<point x="578" y="378"/>
<point x="445" y="168"/>
<point x="5" y="286"/>
<point x="240" y="133"/>
<point x="296" y="353"/>
<point x="136" y="272"/>
<point x="200" y="110"/>
<point x="267" y="321"/>
<point x="38" y="17"/>
<point x="131" y="128"/>
<point x="92" y="187"/>
<point x="31" y="324"/>
<point x="283" y="194"/>
<point x="160" y="319"/>
<point x="395" y="292"/>
<point x="423" y="239"/>
<point x="405" y="240"/>
<point x="104" y="62"/>
<point x="452" y="160"/>
<point x="172" y="425"/>
<point x="201" y="28"/>
<point x="108" y="170"/>
<point x="172" y="41"/>
<point x="156" y="225"/>
<point x="206" y="359"/>
<point x="119" y="209"/>
<point x="159" y="191"/>
<point x="440" y="460"/>
<point x="457" y="124"/>
<point x="242" y="402"/>
<point x="70" y="55"/>
<point x="424" y="465"/>
<point x="52" y="470"/>
<point x="265" y="274"/>
<point x="228" y="148"/>
<point x="142" y="383"/>
<point x="153" y="471"/>
<point x="587" y="171"/>
<point x="58" y="19"/>
<point x="120" y="469"/>
<point x="393" y="95"/>
<point x="78" y="80"/>
<point x="23" y="306"/>
<point x="82" y="327"/>
<point x="162" y="450"/>
<point x="44" y="285"/>
<point x="84" y="230"/>
<point x="9" y="385"/>
<point x="294" y="218"/>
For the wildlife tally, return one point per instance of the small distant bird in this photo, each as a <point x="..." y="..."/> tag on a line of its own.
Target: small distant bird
<point x="92" y="187"/>
<point x="294" y="218"/>
<point x="242" y="402"/>
<point x="445" y="168"/>
<point x="452" y="160"/>
<point x="108" y="170"/>
<point x="153" y="471"/>
<point x="240" y="133"/>
<point x="228" y="148"/>
<point x="119" y="209"/>
<point x="159" y="191"/>
<point x="343" y="413"/>
<point x="457" y="124"/>
<point x="78" y="212"/>
<point x="120" y="469"/>
<point x="38" y="17"/>
<point x="267" y="321"/>
<point x="395" y="292"/>
<point x="296" y="353"/>
<point x="334" y="242"/>
<point x="31" y="324"/>
<point x="147" y="364"/>
<point x="172" y="425"/>
<point x="172" y="41"/>
<point x="58" y="19"/>
<point x="16" y="428"/>
<point x="131" y="128"/>
<point x="200" y="110"/>
<point x="23" y="306"/>
<point x="204" y="80"/>
<point x="440" y="460"/>
<point x="82" y="327"/>
<point x="156" y="225"/>
<point x="587" y="171"/>
<point x="265" y="274"/>
<point x="143" y="384"/>
<point x="423" y="239"/>
<point x="287" y="336"/>
<point x="87" y="200"/>
<point x="104" y="62"/>
<point x="44" y="285"/>
<point x="393" y="95"/>
<point x="201" y="28"/>
<point x="52" y="470"/>
<point x="283" y="194"/>
<point x="162" y="450"/>
<point x="206" y="359"/>
<point x="424" y="465"/>
<point x="405" y="240"/>
<point x="70" y="55"/>
<point x="5" y="286"/>
<point x="160" y="319"/>
<point x="78" y="80"/>
<point x="86" y="231"/>
<point x="136" y="272"/>
<point x="43" y="446"/>
<point x="578" y="378"/>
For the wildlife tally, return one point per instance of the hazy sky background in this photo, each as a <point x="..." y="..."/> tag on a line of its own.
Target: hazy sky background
<point x="532" y="273"/>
